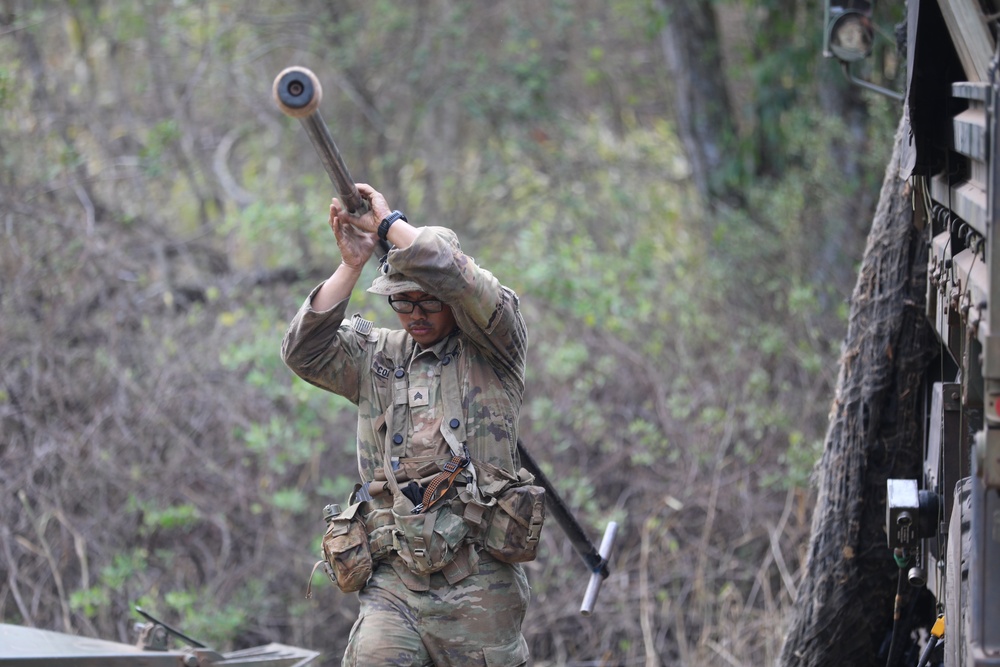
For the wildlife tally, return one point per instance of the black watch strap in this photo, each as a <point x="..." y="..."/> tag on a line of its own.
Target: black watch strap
<point x="383" y="227"/>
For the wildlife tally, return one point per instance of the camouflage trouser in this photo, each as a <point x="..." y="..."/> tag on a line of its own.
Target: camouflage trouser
<point x="476" y="622"/>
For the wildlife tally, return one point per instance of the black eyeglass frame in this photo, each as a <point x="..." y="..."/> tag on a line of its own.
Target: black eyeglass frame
<point x="408" y="305"/>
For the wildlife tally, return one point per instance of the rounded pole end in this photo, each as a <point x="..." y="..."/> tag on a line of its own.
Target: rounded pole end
<point x="598" y="575"/>
<point x="297" y="92"/>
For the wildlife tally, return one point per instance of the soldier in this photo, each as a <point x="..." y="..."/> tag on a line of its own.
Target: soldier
<point x="438" y="404"/>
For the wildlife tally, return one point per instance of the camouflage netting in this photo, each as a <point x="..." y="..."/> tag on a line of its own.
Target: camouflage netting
<point x="845" y="602"/>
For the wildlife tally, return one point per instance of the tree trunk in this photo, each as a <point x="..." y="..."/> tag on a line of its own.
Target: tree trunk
<point x="693" y="51"/>
<point x="845" y="603"/>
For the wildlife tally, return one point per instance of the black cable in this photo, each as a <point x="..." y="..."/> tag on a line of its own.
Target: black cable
<point x="897" y="613"/>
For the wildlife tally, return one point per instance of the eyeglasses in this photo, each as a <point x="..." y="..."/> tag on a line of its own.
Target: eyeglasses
<point x="426" y="305"/>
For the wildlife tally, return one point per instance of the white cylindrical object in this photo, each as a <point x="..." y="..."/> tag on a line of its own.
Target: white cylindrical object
<point x="594" y="587"/>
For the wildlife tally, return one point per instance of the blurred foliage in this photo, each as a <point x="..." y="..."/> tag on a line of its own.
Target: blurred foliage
<point x="162" y="222"/>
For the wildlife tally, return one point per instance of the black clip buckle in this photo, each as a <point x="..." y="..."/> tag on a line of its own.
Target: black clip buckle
<point x="452" y="465"/>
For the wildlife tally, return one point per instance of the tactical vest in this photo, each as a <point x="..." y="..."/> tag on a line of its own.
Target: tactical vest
<point x="492" y="464"/>
<point x="393" y="405"/>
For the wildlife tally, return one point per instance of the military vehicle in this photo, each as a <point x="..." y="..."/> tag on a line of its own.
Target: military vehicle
<point x="943" y="527"/>
<point x="33" y="647"/>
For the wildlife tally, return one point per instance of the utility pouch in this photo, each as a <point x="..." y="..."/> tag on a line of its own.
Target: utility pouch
<point x="346" y="550"/>
<point x="427" y="542"/>
<point x="381" y="532"/>
<point x="514" y="527"/>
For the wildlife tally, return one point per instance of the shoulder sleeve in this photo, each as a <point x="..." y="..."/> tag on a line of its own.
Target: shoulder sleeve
<point x="486" y="311"/>
<point x="326" y="351"/>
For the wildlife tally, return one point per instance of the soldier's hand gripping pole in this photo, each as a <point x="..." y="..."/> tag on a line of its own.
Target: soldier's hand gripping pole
<point x="298" y="92"/>
<point x="596" y="560"/>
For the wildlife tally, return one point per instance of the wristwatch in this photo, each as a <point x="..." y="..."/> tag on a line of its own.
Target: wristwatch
<point x="383" y="227"/>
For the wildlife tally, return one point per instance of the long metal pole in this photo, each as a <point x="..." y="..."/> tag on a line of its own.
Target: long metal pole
<point x="298" y="93"/>
<point x="596" y="560"/>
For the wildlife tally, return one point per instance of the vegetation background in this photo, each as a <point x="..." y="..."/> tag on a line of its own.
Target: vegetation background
<point x="678" y="190"/>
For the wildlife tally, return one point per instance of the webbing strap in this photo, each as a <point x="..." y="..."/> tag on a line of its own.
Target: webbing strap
<point x="382" y="544"/>
<point x="316" y="566"/>
<point x="535" y="525"/>
<point x="438" y="487"/>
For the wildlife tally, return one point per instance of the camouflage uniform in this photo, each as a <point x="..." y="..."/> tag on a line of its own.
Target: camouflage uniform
<point x="424" y="405"/>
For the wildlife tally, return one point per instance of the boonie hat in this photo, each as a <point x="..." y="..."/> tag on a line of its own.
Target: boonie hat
<point x="390" y="281"/>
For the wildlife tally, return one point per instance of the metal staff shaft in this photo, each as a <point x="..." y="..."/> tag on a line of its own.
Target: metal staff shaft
<point x="297" y="92"/>
<point x="319" y="133"/>
<point x="596" y="560"/>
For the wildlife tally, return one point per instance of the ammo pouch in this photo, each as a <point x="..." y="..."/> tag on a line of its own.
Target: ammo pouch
<point x="510" y="527"/>
<point x="427" y="542"/>
<point x="346" y="551"/>
<point x="513" y="531"/>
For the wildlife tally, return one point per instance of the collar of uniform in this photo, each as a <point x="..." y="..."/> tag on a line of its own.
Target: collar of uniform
<point x="440" y="349"/>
